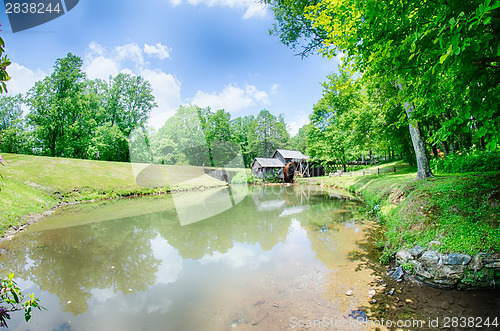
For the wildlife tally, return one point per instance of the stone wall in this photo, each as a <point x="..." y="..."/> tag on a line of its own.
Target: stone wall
<point x="481" y="271"/>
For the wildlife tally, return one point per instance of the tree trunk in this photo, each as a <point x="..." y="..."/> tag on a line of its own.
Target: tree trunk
<point x="423" y="168"/>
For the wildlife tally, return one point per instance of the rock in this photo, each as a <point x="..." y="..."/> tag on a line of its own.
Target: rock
<point x="348" y="293"/>
<point x="489" y="258"/>
<point x="430" y="258"/>
<point x="259" y="303"/>
<point x="492" y="265"/>
<point x="417" y="251"/>
<point x="259" y="317"/>
<point x="476" y="263"/>
<point x="358" y="315"/>
<point x="398" y="274"/>
<point x="456" y="259"/>
<point x="403" y="256"/>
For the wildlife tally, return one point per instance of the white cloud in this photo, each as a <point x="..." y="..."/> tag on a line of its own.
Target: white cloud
<point x="167" y="92"/>
<point x="274" y="88"/>
<point x="131" y="52"/>
<point x="301" y="119"/>
<point x="160" y="51"/>
<point x="231" y="98"/>
<point x="102" y="67"/>
<point x="129" y="58"/>
<point x="255" y="9"/>
<point x="237" y="257"/>
<point x="22" y="78"/>
<point x="252" y="8"/>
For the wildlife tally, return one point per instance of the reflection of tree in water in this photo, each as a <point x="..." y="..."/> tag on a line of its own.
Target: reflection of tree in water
<point x="70" y="262"/>
<point x="242" y="223"/>
<point x="118" y="255"/>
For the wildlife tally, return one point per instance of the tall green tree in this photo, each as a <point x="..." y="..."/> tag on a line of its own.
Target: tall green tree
<point x="422" y="47"/>
<point x="241" y="128"/>
<point x="56" y="107"/>
<point x="267" y="134"/>
<point x="129" y="101"/>
<point x="299" y="141"/>
<point x="181" y="140"/>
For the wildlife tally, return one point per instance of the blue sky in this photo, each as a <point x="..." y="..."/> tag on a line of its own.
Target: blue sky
<point x="215" y="53"/>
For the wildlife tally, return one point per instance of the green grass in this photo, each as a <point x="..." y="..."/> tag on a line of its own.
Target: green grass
<point x="33" y="184"/>
<point x="17" y="199"/>
<point x="453" y="209"/>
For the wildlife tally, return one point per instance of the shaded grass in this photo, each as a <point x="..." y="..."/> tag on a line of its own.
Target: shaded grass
<point x="457" y="209"/>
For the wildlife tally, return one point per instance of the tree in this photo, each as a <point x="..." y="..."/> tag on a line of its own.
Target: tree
<point x="181" y="140"/>
<point x="56" y="106"/>
<point x="299" y="141"/>
<point x="267" y="133"/>
<point x="129" y="100"/>
<point x="241" y="128"/>
<point x="108" y="144"/>
<point x="12" y="133"/>
<point x="419" y="46"/>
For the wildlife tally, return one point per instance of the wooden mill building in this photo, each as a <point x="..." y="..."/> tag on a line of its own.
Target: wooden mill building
<point x="265" y="167"/>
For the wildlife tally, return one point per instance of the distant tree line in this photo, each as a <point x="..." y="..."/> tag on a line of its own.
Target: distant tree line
<point x="202" y="137"/>
<point x="68" y="115"/>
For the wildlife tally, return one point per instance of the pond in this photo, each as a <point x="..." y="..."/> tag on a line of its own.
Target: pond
<point x="256" y="258"/>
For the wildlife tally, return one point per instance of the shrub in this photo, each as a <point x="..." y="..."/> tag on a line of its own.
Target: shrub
<point x="470" y="161"/>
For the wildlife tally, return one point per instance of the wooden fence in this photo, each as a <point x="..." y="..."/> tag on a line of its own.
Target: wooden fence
<point x="370" y="171"/>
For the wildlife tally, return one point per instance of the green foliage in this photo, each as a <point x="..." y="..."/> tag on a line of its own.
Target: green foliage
<point x="345" y="124"/>
<point x="273" y="177"/>
<point x="12" y="300"/>
<point x="4" y="63"/>
<point x="245" y="178"/>
<point x="470" y="161"/>
<point x="110" y="142"/>
<point x="299" y="142"/>
<point x="438" y="59"/>
<point x="267" y="134"/>
<point x="75" y="117"/>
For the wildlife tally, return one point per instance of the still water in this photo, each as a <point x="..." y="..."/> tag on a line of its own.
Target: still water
<point x="257" y="258"/>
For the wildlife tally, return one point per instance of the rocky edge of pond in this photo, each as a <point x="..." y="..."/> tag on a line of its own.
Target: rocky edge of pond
<point x="448" y="271"/>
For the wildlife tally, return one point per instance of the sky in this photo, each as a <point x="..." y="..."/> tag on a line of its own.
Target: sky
<point x="215" y="53"/>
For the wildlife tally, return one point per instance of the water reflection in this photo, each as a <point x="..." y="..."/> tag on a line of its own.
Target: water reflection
<point x="115" y="262"/>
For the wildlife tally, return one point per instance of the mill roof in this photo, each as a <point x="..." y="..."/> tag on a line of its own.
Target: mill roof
<point x="289" y="154"/>
<point x="268" y="162"/>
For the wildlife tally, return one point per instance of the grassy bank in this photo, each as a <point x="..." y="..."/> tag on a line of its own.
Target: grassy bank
<point x="459" y="210"/>
<point x="33" y="184"/>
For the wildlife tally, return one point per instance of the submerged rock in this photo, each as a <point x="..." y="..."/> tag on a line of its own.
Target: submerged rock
<point x="398" y="275"/>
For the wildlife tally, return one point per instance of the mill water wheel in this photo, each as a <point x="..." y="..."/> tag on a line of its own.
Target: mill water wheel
<point x="289" y="171"/>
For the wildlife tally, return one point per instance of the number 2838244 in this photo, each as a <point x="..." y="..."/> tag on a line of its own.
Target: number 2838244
<point x="32" y="8"/>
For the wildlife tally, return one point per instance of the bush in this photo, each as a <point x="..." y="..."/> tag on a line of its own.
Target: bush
<point x="12" y="300"/>
<point x="470" y="161"/>
<point x="243" y="177"/>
